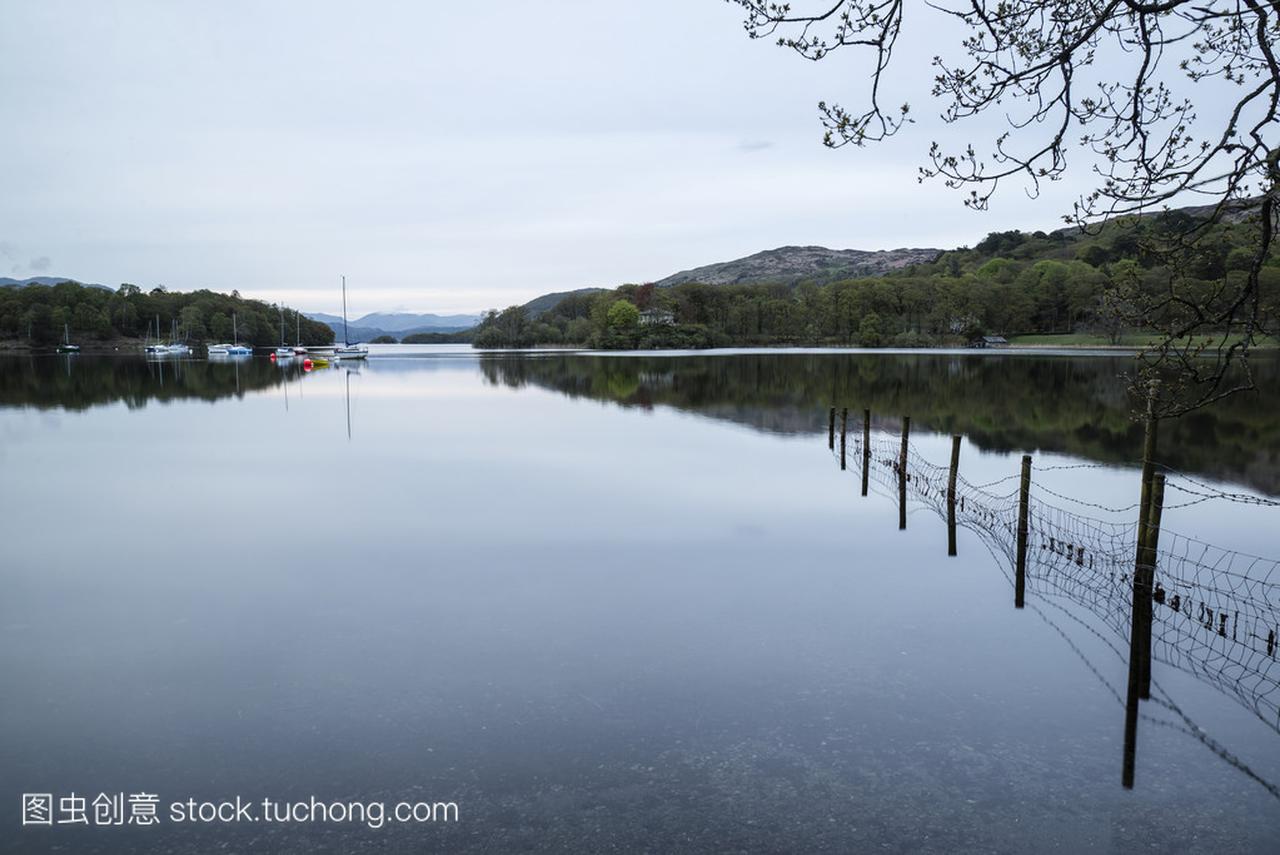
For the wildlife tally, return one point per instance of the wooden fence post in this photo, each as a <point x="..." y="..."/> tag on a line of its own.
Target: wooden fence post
<point x="951" y="495"/>
<point x="831" y="429"/>
<point x="1147" y="583"/>
<point x="866" y="449"/>
<point x="844" y="427"/>
<point x="902" y="474"/>
<point x="1148" y="468"/>
<point x="1024" y="502"/>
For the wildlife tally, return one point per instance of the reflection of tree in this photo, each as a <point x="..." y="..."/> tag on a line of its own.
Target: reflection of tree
<point x="1078" y="406"/>
<point x="78" y="383"/>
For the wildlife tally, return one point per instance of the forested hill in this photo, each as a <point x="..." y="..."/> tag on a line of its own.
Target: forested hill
<point x="38" y="315"/>
<point x="1065" y="282"/>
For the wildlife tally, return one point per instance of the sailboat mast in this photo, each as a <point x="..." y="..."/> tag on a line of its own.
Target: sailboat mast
<point x="297" y="320"/>
<point x="346" y="337"/>
<point x="235" y="332"/>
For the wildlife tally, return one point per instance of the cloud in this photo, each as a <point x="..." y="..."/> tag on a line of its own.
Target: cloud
<point x="40" y="264"/>
<point x="754" y="145"/>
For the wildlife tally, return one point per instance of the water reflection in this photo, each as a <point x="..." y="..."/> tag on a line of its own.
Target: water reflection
<point x="78" y="384"/>
<point x="1075" y="405"/>
<point x="1202" y="609"/>
<point x="600" y="627"/>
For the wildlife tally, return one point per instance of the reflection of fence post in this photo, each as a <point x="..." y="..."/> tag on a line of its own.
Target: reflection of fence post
<point x="866" y="449"/>
<point x="844" y="426"/>
<point x="1130" y="751"/>
<point x="902" y="474"/>
<point x="1024" y="500"/>
<point x="1144" y="583"/>
<point x="951" y="495"/>
<point x="1141" y="620"/>
<point x="831" y="428"/>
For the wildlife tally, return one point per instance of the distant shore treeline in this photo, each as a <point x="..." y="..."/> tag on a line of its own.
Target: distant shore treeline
<point x="39" y="314"/>
<point x="1011" y="283"/>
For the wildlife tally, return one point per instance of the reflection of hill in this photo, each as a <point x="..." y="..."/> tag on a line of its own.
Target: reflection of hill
<point x="1002" y="403"/>
<point x="78" y="383"/>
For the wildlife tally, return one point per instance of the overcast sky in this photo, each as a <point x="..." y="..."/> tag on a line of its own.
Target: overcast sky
<point x="445" y="158"/>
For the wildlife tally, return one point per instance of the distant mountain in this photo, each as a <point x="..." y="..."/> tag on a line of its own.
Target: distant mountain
<point x="787" y="265"/>
<point x="396" y="325"/>
<point x="791" y="264"/>
<point x="323" y="318"/>
<point x="404" y="322"/>
<point x="6" y="282"/>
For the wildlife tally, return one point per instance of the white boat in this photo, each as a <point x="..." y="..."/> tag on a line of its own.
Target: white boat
<point x="347" y="350"/>
<point x="234" y="349"/>
<point x="160" y="348"/>
<point x="67" y="346"/>
<point x="351" y="351"/>
<point x="298" y="349"/>
<point x="153" y="348"/>
<point x="283" y="351"/>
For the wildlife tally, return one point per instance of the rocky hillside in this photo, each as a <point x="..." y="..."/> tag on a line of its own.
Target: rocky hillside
<point x="791" y="264"/>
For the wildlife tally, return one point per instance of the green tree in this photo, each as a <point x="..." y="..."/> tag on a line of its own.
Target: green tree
<point x="870" y="333"/>
<point x="623" y="316"/>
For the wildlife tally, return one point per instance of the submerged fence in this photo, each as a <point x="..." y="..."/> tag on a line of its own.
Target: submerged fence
<point x="1213" y="612"/>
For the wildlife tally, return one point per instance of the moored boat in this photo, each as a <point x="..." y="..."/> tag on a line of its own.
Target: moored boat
<point x="347" y="350"/>
<point x="351" y="351"/>
<point x="284" y="351"/>
<point x="67" y="346"/>
<point x="298" y="349"/>
<point x="233" y="349"/>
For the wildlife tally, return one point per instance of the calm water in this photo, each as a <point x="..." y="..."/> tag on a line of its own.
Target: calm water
<point x="621" y="603"/>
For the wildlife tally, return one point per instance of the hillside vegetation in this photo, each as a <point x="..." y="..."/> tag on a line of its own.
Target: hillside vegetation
<point x="36" y="314"/>
<point x="1011" y="283"/>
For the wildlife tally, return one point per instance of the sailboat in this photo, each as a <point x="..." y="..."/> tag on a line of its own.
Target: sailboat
<point x="157" y="347"/>
<point x="298" y="349"/>
<point x="233" y="349"/>
<point x="178" y="348"/>
<point x="347" y="350"/>
<point x="67" y="346"/>
<point x="283" y="351"/>
<point x="160" y="348"/>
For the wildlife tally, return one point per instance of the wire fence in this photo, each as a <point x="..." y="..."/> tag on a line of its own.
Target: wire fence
<point x="1215" y="611"/>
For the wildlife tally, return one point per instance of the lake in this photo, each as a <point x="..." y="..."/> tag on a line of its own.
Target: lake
<point x="632" y="603"/>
